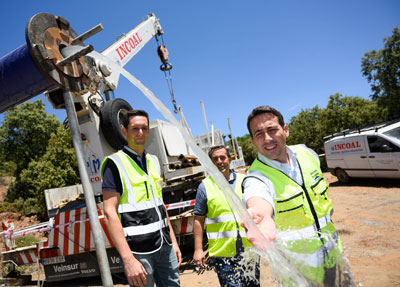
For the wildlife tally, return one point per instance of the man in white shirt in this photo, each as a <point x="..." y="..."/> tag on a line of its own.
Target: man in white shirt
<point x="286" y="192"/>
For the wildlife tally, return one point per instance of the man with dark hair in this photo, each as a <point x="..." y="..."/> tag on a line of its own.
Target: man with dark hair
<point x="226" y="236"/>
<point x="133" y="113"/>
<point x="135" y="214"/>
<point x="286" y="191"/>
<point x="262" y="110"/>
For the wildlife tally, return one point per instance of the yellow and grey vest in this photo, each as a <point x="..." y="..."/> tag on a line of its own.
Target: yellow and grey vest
<point x="302" y="216"/>
<point x="221" y="225"/>
<point x="141" y="210"/>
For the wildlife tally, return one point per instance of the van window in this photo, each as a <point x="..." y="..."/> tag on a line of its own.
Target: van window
<point x="378" y="144"/>
<point x="394" y="133"/>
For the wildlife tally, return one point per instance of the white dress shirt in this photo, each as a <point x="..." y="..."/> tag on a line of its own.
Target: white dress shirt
<point x="261" y="186"/>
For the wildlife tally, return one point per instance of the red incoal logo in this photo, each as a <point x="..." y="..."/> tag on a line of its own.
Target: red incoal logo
<point x="349" y="145"/>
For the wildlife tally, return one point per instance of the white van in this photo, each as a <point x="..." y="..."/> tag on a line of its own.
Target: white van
<point x="372" y="151"/>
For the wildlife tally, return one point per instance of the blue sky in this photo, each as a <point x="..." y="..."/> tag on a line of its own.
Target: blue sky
<point x="232" y="55"/>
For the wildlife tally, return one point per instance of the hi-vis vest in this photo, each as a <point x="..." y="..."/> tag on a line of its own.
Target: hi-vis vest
<point x="221" y="226"/>
<point x="302" y="216"/>
<point x="141" y="210"/>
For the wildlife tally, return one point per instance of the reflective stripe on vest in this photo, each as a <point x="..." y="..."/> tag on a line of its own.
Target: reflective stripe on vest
<point x="221" y="225"/>
<point x="226" y="234"/>
<point x="304" y="233"/>
<point x="222" y="218"/>
<point x="306" y="241"/>
<point x="143" y="229"/>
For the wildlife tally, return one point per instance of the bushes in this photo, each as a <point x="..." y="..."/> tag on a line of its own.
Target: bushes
<point x="9" y="207"/>
<point x="26" y="207"/>
<point x="56" y="168"/>
<point x="24" y="241"/>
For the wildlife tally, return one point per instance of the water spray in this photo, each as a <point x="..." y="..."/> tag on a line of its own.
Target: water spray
<point x="279" y="264"/>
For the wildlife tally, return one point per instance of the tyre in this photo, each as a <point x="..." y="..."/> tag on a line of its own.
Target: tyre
<point x="342" y="175"/>
<point x="111" y="117"/>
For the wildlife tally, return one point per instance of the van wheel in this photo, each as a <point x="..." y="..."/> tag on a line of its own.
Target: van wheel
<point x="111" y="117"/>
<point x="342" y="175"/>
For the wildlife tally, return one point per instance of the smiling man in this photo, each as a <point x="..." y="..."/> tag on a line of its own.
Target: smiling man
<point x="226" y="236"/>
<point x="135" y="214"/>
<point x="285" y="191"/>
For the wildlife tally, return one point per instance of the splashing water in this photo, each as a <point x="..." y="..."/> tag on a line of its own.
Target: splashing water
<point x="282" y="269"/>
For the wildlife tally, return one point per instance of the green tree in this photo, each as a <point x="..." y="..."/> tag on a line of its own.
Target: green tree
<point x="343" y="113"/>
<point x="382" y="69"/>
<point x="25" y="132"/>
<point x="310" y="126"/>
<point x="249" y="151"/>
<point x="56" y="168"/>
<point x="305" y="128"/>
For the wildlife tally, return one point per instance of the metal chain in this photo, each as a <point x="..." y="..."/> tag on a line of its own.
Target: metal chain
<point x="165" y="66"/>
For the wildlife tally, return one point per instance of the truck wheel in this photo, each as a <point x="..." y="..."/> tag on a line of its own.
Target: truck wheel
<point x="342" y="175"/>
<point x="111" y="117"/>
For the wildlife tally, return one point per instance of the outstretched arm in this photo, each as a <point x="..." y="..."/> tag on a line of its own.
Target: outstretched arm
<point x="261" y="211"/>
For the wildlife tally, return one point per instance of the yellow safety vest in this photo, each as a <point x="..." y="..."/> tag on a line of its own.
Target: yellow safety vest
<point x="221" y="226"/>
<point x="141" y="210"/>
<point x="302" y="216"/>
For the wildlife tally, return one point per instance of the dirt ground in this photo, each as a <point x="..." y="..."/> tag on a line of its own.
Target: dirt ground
<point x="367" y="215"/>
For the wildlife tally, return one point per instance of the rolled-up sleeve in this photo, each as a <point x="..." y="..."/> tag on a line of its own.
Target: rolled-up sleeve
<point x="256" y="184"/>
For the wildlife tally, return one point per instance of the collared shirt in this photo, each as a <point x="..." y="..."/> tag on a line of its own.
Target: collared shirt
<point x="261" y="186"/>
<point x="200" y="206"/>
<point x="141" y="161"/>
<point x="111" y="177"/>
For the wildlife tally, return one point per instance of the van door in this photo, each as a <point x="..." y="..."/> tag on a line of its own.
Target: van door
<point x="384" y="157"/>
<point x="354" y="151"/>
